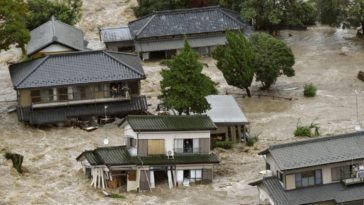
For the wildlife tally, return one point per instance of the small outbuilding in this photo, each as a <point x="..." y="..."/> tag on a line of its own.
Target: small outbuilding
<point x="230" y="120"/>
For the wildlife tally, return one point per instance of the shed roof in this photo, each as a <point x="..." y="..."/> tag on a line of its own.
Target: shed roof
<point x="170" y="122"/>
<point x="187" y="21"/>
<point x="76" y="68"/>
<point x="225" y="110"/>
<point x="115" y="34"/>
<point x="336" y="192"/>
<point x="320" y="151"/>
<point x="54" y="31"/>
<point x="119" y="155"/>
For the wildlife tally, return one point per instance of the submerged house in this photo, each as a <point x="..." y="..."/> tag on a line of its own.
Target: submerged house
<point x="64" y="87"/>
<point x="230" y="120"/>
<point x="161" y="34"/>
<point x="323" y="171"/>
<point x="54" y="37"/>
<point x="157" y="148"/>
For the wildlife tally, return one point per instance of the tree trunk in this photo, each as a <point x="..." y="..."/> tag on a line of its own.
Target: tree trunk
<point x="248" y="92"/>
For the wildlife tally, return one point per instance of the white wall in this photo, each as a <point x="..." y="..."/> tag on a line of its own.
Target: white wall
<point x="168" y="136"/>
<point x="55" y="48"/>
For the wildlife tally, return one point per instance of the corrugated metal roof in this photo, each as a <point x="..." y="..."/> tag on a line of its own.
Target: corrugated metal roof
<point x="318" y="151"/>
<point x="76" y="68"/>
<point x="336" y="192"/>
<point x="119" y="155"/>
<point x="61" y="114"/>
<point x="115" y="34"/>
<point x="225" y="110"/>
<point x="187" y="21"/>
<point x="55" y="31"/>
<point x="170" y="122"/>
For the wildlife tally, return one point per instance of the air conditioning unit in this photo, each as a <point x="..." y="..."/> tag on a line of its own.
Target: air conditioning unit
<point x="170" y="154"/>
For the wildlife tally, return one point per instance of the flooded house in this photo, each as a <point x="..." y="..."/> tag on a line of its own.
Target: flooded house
<point x="162" y="33"/>
<point x="173" y="150"/>
<point x="54" y="37"/>
<point x="325" y="171"/>
<point x="64" y="82"/>
<point x="231" y="122"/>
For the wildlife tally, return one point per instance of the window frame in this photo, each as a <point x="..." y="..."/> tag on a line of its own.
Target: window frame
<point x="315" y="174"/>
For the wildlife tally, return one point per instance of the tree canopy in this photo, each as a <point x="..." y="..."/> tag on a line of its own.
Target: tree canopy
<point x="12" y="24"/>
<point x="235" y="60"/>
<point x="273" y="58"/>
<point x="183" y="86"/>
<point x="40" y="11"/>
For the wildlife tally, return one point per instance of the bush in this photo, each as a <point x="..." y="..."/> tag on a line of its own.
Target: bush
<point x="250" y="141"/>
<point x="223" y="144"/>
<point x="302" y="131"/>
<point x="306" y="131"/>
<point x="309" y="90"/>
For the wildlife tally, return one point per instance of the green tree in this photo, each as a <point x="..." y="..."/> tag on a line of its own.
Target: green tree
<point x="184" y="87"/>
<point x="354" y="15"/>
<point x="236" y="61"/>
<point x="12" y="24"/>
<point x="146" y="7"/>
<point x="272" y="59"/>
<point x="330" y="11"/>
<point x="40" y="11"/>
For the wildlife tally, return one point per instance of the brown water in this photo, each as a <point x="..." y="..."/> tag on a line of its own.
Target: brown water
<point x="326" y="57"/>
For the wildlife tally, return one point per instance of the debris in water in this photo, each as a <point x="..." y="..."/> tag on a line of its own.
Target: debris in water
<point x="361" y="75"/>
<point x="17" y="160"/>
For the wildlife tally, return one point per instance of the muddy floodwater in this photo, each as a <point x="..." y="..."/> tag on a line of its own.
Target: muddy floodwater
<point x="327" y="57"/>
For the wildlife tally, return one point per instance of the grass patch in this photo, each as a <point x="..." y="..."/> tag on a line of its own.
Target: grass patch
<point x="309" y="90"/>
<point x="223" y="144"/>
<point x="117" y="196"/>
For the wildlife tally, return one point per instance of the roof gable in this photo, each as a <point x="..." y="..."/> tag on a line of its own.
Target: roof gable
<point x="55" y="31"/>
<point x="76" y="68"/>
<point x="325" y="150"/>
<point x="187" y="21"/>
<point x="170" y="123"/>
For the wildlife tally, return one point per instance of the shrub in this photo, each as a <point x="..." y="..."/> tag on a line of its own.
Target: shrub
<point x="224" y="144"/>
<point x="306" y="131"/>
<point x="250" y="141"/>
<point x="309" y="90"/>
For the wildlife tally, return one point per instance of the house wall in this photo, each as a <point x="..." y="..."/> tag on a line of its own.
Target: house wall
<point x="24" y="98"/>
<point x="56" y="48"/>
<point x="133" y="185"/>
<point x="150" y="45"/>
<point x="273" y="166"/>
<point x="223" y="129"/>
<point x="114" y="46"/>
<point x="326" y="173"/>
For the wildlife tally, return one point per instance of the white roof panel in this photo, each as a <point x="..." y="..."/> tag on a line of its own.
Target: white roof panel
<point x="224" y="109"/>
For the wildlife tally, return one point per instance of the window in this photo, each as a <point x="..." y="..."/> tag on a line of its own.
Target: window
<point x="267" y="166"/>
<point x="309" y="178"/>
<point x="195" y="175"/>
<point x="156" y="147"/>
<point x="46" y="95"/>
<point x="340" y="173"/>
<point x="62" y="94"/>
<point x="35" y="95"/>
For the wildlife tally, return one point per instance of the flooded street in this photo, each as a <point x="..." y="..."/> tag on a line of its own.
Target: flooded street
<point x="326" y="57"/>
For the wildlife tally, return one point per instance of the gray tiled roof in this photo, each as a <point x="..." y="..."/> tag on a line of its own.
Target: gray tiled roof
<point x="330" y="192"/>
<point x="55" y="31"/>
<point x="170" y="122"/>
<point x="76" y="68"/>
<point x="225" y="110"/>
<point x="187" y="21"/>
<point x="115" y="34"/>
<point x="318" y="151"/>
<point x="61" y="114"/>
<point x="119" y="155"/>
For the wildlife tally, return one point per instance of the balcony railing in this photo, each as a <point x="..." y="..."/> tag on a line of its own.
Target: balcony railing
<point x="188" y="151"/>
<point x="75" y="99"/>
